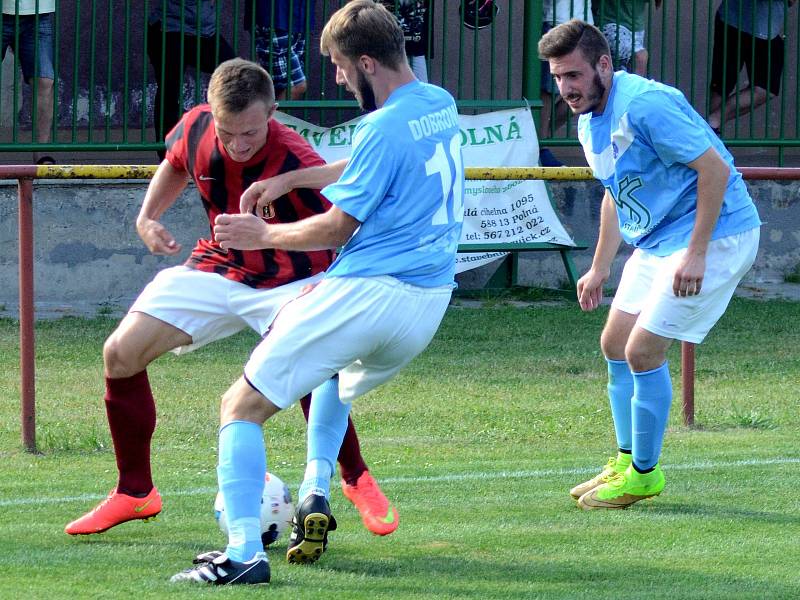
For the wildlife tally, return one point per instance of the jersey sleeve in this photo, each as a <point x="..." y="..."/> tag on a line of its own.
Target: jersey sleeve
<point x="176" y="144"/>
<point x="669" y="129"/>
<point x="367" y="176"/>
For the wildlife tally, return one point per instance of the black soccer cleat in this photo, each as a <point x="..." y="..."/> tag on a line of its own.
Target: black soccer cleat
<point x="215" y="568"/>
<point x="310" y="526"/>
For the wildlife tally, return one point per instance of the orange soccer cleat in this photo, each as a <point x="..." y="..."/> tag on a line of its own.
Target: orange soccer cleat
<point x="115" y="509"/>
<point x="377" y="513"/>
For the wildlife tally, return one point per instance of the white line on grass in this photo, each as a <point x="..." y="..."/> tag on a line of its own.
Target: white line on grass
<point x="474" y="476"/>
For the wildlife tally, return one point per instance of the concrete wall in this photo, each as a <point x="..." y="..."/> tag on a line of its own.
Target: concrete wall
<point x="88" y="257"/>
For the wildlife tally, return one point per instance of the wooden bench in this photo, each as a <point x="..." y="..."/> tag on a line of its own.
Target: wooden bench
<point x="507" y="275"/>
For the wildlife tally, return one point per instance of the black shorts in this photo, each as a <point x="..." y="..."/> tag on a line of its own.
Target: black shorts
<point x="763" y="59"/>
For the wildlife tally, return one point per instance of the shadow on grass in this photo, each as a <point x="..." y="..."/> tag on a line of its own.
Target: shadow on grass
<point x="710" y="511"/>
<point x="540" y="576"/>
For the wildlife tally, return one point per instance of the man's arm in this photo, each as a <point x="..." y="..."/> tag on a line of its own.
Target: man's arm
<point x="262" y="193"/>
<point x="320" y="232"/>
<point x="164" y="188"/>
<point x="590" y="286"/>
<point x="712" y="180"/>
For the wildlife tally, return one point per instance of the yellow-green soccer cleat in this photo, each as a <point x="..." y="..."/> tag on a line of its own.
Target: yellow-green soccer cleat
<point x="624" y="490"/>
<point x="614" y="466"/>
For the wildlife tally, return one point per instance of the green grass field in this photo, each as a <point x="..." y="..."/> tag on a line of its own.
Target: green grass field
<point x="477" y="443"/>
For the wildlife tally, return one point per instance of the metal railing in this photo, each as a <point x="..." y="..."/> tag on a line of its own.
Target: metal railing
<point x="27" y="173"/>
<point x="106" y="53"/>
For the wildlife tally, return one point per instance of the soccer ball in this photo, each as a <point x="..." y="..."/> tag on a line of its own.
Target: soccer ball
<point x="277" y="510"/>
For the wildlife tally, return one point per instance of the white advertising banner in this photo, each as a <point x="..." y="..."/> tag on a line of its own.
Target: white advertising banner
<point x="494" y="211"/>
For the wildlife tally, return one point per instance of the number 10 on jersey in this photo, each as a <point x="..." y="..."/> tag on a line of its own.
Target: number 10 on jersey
<point x="452" y="183"/>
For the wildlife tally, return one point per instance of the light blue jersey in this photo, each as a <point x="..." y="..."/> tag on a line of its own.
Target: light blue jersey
<point x="639" y="148"/>
<point x="405" y="184"/>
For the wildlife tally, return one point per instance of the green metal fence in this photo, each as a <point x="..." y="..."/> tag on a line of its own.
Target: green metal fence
<point x="104" y="64"/>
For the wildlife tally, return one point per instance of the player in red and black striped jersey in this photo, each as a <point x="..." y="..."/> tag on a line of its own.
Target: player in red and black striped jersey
<point x="223" y="147"/>
<point x="194" y="147"/>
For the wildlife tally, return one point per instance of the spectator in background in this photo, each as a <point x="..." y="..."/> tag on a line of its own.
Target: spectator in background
<point x="623" y="23"/>
<point x="280" y="28"/>
<point x="30" y="37"/>
<point x="749" y="33"/>
<point x="415" y="18"/>
<point x="554" y="111"/>
<point x="179" y="31"/>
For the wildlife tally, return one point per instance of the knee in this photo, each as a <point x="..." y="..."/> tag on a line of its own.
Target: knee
<point x="298" y="90"/>
<point x="235" y="406"/>
<point x="243" y="403"/>
<point x="641" y="359"/>
<point x="116" y="361"/>
<point x="612" y="347"/>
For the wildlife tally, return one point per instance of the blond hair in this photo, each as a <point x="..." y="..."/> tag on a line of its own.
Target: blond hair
<point x="237" y="83"/>
<point x="364" y="27"/>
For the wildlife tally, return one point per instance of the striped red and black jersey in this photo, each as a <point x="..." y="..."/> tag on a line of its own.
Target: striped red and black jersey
<point x="193" y="147"/>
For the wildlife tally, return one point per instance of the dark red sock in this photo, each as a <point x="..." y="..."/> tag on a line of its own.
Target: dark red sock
<point x="351" y="463"/>
<point x="131" y="414"/>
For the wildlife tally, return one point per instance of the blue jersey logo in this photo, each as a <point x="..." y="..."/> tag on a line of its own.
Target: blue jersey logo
<point x="627" y="202"/>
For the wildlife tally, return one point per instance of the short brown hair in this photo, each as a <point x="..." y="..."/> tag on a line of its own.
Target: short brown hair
<point x="237" y="83"/>
<point x="565" y="38"/>
<point x="364" y="27"/>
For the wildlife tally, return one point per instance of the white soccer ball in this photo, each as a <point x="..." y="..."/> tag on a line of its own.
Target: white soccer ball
<point x="277" y="510"/>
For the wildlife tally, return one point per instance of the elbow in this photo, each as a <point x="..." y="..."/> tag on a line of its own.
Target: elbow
<point x="341" y="227"/>
<point x="339" y="237"/>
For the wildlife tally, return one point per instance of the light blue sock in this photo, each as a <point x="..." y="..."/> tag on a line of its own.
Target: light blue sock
<point x="327" y="424"/>
<point x="652" y="398"/>
<point x="241" y="471"/>
<point x="620" y="395"/>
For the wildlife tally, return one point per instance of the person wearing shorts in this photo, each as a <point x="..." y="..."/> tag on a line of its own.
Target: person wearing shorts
<point x="29" y="35"/>
<point x="623" y="23"/>
<point x="280" y="28"/>
<point x="554" y="112"/>
<point x="397" y="211"/>
<point x="747" y="33"/>
<point x="181" y="34"/>
<point x="223" y="146"/>
<point x="672" y="192"/>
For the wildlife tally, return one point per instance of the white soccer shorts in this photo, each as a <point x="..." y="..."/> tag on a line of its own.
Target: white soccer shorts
<point x="364" y="328"/>
<point x="210" y="307"/>
<point x="645" y="288"/>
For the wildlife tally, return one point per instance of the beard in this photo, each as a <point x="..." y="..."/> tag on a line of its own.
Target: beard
<point x="594" y="95"/>
<point x="365" y="95"/>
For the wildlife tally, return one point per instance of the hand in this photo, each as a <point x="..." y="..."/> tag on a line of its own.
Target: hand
<point x="590" y="290"/>
<point x="307" y="288"/>
<point x="688" y="277"/>
<point x="156" y="237"/>
<point x="259" y="196"/>
<point x="242" y="232"/>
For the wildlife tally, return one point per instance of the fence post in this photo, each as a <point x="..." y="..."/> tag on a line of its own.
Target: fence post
<point x="531" y="66"/>
<point x="26" y="336"/>
<point x="687" y="382"/>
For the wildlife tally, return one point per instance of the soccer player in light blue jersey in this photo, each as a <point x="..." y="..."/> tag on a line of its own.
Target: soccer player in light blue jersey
<point x="673" y="193"/>
<point x="397" y="211"/>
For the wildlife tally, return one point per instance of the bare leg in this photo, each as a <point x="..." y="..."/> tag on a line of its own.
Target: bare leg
<point x="138" y="340"/>
<point x="641" y="58"/>
<point x="44" y="113"/>
<point x="748" y="102"/>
